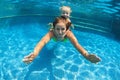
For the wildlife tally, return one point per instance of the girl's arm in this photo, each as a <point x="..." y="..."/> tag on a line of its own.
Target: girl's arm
<point x="91" y="57"/>
<point x="41" y="43"/>
<point x="74" y="41"/>
<point x="38" y="47"/>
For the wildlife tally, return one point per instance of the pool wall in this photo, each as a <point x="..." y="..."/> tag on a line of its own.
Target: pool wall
<point x="116" y="28"/>
<point x="98" y="16"/>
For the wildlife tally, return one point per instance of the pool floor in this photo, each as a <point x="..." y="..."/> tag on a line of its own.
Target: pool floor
<point x="57" y="60"/>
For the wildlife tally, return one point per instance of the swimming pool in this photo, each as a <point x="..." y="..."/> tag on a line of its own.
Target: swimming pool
<point x="57" y="61"/>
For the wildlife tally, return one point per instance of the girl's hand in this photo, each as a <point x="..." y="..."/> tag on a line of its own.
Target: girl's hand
<point x="93" y="58"/>
<point x="28" y="59"/>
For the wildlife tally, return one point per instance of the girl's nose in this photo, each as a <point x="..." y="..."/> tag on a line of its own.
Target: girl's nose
<point x="60" y="31"/>
<point x="65" y="14"/>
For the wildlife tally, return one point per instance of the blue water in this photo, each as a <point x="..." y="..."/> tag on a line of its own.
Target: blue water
<point x="24" y="22"/>
<point x="57" y="60"/>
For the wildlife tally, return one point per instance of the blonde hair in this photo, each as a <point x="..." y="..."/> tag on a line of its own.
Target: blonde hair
<point x="66" y="8"/>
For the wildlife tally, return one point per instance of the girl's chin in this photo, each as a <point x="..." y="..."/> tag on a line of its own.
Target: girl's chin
<point x="60" y="38"/>
<point x="65" y="16"/>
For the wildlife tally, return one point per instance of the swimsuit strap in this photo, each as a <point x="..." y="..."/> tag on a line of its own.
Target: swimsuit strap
<point x="64" y="40"/>
<point x="54" y="39"/>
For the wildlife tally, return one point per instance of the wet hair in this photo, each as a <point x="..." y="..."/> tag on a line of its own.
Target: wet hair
<point x="62" y="19"/>
<point x="65" y="8"/>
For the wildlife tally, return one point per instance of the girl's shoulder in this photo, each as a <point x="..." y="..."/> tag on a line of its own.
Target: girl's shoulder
<point x="69" y="33"/>
<point x="51" y="32"/>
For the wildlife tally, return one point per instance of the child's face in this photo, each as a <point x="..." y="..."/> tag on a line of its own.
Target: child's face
<point x="65" y="14"/>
